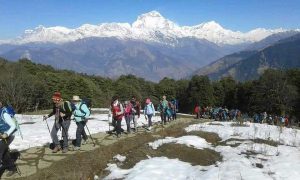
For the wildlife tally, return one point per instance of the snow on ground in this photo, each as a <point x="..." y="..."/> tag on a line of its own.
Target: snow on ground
<point x="193" y="141"/>
<point x="120" y="157"/>
<point x="160" y="168"/>
<point x="35" y="131"/>
<point x="246" y="161"/>
<point x="286" y="136"/>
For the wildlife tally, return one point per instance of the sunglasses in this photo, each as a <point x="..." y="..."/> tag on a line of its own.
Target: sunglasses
<point x="56" y="99"/>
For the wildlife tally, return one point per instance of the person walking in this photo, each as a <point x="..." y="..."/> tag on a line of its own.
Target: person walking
<point x="128" y="114"/>
<point x="81" y="113"/>
<point x="117" y="114"/>
<point x="136" y="111"/>
<point x="165" y="105"/>
<point x="62" y="112"/>
<point x="7" y="128"/>
<point x="149" y="112"/>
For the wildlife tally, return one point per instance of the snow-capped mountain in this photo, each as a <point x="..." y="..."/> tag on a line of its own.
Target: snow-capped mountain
<point x="151" y="26"/>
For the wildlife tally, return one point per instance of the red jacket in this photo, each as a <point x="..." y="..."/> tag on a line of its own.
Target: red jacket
<point x="116" y="109"/>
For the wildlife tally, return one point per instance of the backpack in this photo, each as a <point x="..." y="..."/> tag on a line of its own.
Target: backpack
<point x="88" y="103"/>
<point x="68" y="107"/>
<point x="10" y="110"/>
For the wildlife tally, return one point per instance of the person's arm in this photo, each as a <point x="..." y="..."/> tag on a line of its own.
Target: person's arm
<point x="10" y="122"/>
<point x="153" y="109"/>
<point x="52" y="113"/>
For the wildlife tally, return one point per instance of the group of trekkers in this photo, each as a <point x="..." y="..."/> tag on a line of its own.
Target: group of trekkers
<point x="217" y="113"/>
<point x="132" y="108"/>
<point x="78" y="108"/>
<point x="272" y="119"/>
<point x="62" y="112"/>
<point x="223" y="114"/>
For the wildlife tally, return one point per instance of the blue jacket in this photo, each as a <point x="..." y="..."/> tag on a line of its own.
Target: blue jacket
<point x="7" y="124"/>
<point x="81" y="112"/>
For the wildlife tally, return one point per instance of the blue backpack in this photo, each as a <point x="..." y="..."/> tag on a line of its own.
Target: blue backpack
<point x="10" y="110"/>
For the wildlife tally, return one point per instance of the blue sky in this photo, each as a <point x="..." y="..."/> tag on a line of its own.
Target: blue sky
<point x="243" y="15"/>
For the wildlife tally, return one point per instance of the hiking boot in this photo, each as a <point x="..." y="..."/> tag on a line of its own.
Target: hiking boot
<point x="65" y="150"/>
<point x="56" y="149"/>
<point x="11" y="172"/>
<point x="84" y="142"/>
<point x="76" y="148"/>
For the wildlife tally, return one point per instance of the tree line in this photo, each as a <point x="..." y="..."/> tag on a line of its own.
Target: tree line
<point x="28" y="86"/>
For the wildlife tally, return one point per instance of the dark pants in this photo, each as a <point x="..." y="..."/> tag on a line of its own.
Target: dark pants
<point x="174" y="116"/>
<point x="149" y="120"/>
<point x="64" y="126"/>
<point x="117" y="125"/>
<point x="6" y="161"/>
<point x="163" y="117"/>
<point x="128" y="118"/>
<point x="80" y="133"/>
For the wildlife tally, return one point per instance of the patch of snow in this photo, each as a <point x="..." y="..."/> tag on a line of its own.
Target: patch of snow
<point x="194" y="141"/>
<point x="120" y="157"/>
<point x="160" y="168"/>
<point x="287" y="136"/>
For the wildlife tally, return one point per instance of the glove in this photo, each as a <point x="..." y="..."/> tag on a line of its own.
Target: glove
<point x="45" y="117"/>
<point x="3" y="136"/>
<point x="61" y="114"/>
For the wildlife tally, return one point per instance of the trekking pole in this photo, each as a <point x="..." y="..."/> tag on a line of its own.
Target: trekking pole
<point x="48" y="127"/>
<point x="90" y="135"/>
<point x="19" y="128"/>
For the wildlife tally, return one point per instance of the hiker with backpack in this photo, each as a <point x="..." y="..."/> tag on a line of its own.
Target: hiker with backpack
<point x="164" y="104"/>
<point x="117" y="114"/>
<point x="62" y="110"/>
<point x="81" y="113"/>
<point x="136" y="110"/>
<point x="174" y="106"/>
<point x="7" y="128"/>
<point x="128" y="114"/>
<point x="149" y="112"/>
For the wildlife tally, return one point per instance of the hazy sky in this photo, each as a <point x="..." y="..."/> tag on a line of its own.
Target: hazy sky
<point x="243" y="15"/>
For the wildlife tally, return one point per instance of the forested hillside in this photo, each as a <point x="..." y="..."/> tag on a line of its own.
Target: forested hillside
<point x="29" y="86"/>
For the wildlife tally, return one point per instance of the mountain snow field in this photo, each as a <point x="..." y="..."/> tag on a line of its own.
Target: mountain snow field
<point x="148" y="27"/>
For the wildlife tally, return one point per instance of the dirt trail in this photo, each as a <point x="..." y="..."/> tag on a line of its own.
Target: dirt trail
<point x="41" y="163"/>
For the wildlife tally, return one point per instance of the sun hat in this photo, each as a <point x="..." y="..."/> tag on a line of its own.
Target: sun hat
<point x="76" y="98"/>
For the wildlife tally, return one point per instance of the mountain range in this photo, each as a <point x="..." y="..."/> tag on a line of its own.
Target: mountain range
<point x="251" y="63"/>
<point x="152" y="47"/>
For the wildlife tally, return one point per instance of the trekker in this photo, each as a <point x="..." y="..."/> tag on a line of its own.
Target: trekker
<point x="81" y="113"/>
<point x="62" y="112"/>
<point x="169" y="111"/>
<point x="160" y="110"/>
<point x="7" y="128"/>
<point x="118" y="112"/>
<point x="164" y="104"/>
<point x="197" y="111"/>
<point x="149" y="112"/>
<point x="135" y="111"/>
<point x="174" y="108"/>
<point x="128" y="114"/>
